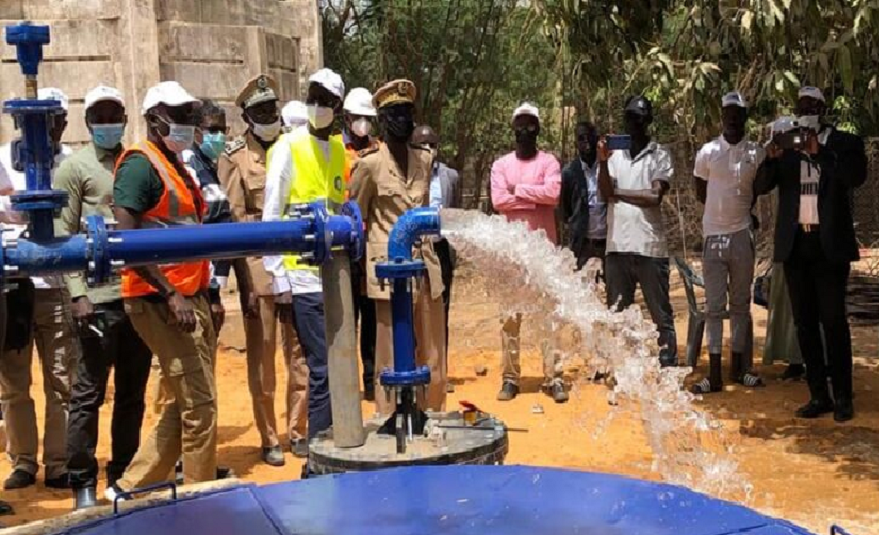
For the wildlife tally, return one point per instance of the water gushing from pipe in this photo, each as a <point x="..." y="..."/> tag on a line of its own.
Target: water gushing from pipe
<point x="532" y="276"/>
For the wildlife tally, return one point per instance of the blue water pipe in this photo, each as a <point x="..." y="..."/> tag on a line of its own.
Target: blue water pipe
<point x="401" y="270"/>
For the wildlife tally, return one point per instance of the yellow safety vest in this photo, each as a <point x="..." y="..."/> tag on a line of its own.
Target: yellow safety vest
<point x="314" y="178"/>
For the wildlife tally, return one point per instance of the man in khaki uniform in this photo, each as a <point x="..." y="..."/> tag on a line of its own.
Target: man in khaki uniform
<point x="386" y="182"/>
<point x="242" y="174"/>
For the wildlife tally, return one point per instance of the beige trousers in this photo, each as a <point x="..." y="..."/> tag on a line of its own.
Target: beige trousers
<point x="430" y="349"/>
<point x="261" y="333"/>
<point x="510" y="355"/>
<point x="58" y="348"/>
<point x="188" y="418"/>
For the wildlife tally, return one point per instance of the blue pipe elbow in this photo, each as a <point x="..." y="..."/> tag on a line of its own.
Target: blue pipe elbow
<point x="409" y="228"/>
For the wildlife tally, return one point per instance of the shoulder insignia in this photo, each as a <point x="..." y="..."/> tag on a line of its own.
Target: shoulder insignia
<point x="235" y="146"/>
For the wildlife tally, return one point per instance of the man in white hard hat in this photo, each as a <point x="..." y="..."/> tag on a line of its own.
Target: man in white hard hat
<point x="306" y="165"/>
<point x="106" y="333"/>
<point x="168" y="304"/>
<point x="39" y="315"/>
<point x="359" y="116"/>
<point x="294" y="114"/>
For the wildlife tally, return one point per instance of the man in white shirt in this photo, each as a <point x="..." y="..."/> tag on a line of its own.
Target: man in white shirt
<point x="724" y="174"/>
<point x="57" y="345"/>
<point x="634" y="181"/>
<point x="303" y="166"/>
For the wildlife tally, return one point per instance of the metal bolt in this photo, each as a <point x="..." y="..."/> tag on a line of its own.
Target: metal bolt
<point x="115" y="240"/>
<point x="117" y="263"/>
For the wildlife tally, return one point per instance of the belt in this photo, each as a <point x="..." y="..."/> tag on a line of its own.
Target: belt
<point x="809" y="228"/>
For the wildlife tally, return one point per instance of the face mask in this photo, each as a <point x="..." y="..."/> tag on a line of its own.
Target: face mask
<point x="180" y="136"/>
<point x="213" y="144"/>
<point x="812" y="122"/>
<point x="400" y="128"/>
<point x="361" y="127"/>
<point x="267" y="132"/>
<point x="108" y="136"/>
<point x="320" y="117"/>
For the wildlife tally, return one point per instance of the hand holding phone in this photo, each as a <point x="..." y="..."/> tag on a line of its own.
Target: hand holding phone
<point x="618" y="142"/>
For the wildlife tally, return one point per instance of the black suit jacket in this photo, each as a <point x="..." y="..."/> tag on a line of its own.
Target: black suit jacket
<point x="574" y="204"/>
<point x="843" y="164"/>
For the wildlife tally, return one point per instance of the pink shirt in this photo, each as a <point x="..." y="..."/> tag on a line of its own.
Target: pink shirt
<point x="537" y="182"/>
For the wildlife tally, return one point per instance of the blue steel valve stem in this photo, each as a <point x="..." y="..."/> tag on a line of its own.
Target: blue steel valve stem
<point x="400" y="271"/>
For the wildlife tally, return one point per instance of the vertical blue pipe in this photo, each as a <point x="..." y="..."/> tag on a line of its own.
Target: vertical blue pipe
<point x="404" y="326"/>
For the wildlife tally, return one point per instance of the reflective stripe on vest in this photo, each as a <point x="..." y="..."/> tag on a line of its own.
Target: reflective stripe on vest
<point x="179" y="205"/>
<point x="315" y="178"/>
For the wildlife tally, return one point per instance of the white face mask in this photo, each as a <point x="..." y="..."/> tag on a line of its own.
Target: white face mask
<point x="812" y="122"/>
<point x="319" y="117"/>
<point x="267" y="132"/>
<point x="361" y="127"/>
<point x="179" y="138"/>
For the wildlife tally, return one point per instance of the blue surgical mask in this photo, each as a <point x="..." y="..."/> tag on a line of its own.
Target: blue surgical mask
<point x="108" y="136"/>
<point x="213" y="144"/>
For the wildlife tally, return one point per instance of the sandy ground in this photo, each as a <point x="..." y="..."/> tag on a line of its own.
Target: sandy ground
<point x="813" y="473"/>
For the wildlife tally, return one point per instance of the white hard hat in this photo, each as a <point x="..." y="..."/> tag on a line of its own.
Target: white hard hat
<point x="53" y="93"/>
<point x="526" y="108"/>
<point x="103" y="93"/>
<point x="294" y="113"/>
<point x="329" y="80"/>
<point x="168" y="93"/>
<point x="359" y="102"/>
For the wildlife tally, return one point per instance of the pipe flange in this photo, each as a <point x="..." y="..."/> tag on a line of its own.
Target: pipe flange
<point x="400" y="269"/>
<point x="322" y="238"/>
<point x="357" y="247"/>
<point x="29" y="201"/>
<point x="416" y="377"/>
<point x="99" y="252"/>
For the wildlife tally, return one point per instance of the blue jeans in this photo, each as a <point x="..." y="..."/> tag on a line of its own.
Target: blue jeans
<point x="308" y="318"/>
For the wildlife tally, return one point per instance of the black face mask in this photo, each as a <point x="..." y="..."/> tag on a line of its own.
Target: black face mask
<point x="400" y="127"/>
<point x="525" y="136"/>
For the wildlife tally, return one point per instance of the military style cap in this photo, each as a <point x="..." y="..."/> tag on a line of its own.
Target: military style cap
<point x="396" y="92"/>
<point x="261" y="89"/>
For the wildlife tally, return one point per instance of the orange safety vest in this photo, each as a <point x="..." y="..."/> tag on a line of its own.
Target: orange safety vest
<point x="179" y="205"/>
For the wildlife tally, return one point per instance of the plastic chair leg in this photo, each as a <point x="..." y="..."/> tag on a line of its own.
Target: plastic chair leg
<point x="695" y="334"/>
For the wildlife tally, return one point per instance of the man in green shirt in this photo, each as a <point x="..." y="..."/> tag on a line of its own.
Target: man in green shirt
<point x="105" y="330"/>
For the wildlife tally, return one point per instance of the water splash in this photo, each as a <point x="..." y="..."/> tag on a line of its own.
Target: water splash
<point x="529" y="275"/>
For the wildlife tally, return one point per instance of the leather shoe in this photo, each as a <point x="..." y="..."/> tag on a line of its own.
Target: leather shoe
<point x="843" y="411"/>
<point x="299" y="448"/>
<point x="19" y="479"/>
<point x="508" y="391"/>
<point x="557" y="392"/>
<point x="85" y="498"/>
<point x="815" y="408"/>
<point x="273" y="456"/>
<point x="60" y="482"/>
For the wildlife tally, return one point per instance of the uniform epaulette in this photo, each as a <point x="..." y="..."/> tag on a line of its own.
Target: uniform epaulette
<point x="367" y="151"/>
<point x="235" y="146"/>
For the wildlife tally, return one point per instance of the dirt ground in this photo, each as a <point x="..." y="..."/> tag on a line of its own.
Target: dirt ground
<point x="813" y="473"/>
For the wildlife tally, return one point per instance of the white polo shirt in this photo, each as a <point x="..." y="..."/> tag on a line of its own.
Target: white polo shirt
<point x="633" y="229"/>
<point x="730" y="171"/>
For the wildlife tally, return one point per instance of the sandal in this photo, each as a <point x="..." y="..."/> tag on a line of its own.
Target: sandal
<point x="705" y="387"/>
<point x="751" y="380"/>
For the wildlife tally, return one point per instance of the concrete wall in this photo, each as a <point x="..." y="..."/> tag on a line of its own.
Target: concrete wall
<point x="212" y="47"/>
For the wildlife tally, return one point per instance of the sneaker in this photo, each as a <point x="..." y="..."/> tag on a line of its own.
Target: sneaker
<point x="815" y="408"/>
<point x="751" y="380"/>
<point x="557" y="392"/>
<point x="299" y="447"/>
<point x="508" y="391"/>
<point x="843" y="411"/>
<point x="705" y="387"/>
<point x="112" y="492"/>
<point x="273" y="456"/>
<point x="19" y="479"/>
<point x="60" y="482"/>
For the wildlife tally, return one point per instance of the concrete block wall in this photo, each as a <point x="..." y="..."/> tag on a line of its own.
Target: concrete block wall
<point x="212" y="47"/>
